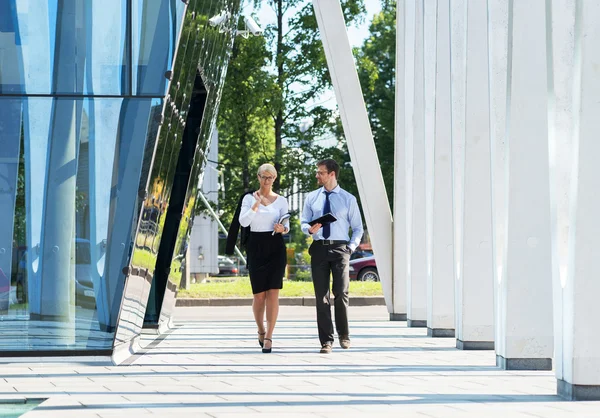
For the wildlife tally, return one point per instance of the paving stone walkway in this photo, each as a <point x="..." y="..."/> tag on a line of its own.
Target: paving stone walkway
<point x="210" y="365"/>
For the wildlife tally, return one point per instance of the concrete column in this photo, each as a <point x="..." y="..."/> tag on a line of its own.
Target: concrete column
<point x="409" y="106"/>
<point x="358" y="133"/>
<point x="440" y="292"/>
<point x="475" y="292"/>
<point x="429" y="56"/>
<point x="417" y="278"/>
<point x="526" y="286"/>
<point x="458" y="72"/>
<point x="561" y="33"/>
<point x="581" y="310"/>
<point x="400" y="255"/>
<point x="429" y="76"/>
<point x="498" y="45"/>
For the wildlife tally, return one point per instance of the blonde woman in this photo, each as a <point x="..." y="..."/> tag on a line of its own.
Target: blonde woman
<point x="266" y="251"/>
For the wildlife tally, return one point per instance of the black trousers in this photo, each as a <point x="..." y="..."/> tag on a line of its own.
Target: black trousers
<point x="331" y="259"/>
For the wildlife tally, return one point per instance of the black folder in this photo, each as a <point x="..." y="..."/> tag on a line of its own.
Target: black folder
<point x="323" y="220"/>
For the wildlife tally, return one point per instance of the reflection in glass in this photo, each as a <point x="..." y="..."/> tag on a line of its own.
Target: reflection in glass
<point x="200" y="72"/>
<point x="89" y="152"/>
<point x="45" y="38"/>
<point x="60" y="289"/>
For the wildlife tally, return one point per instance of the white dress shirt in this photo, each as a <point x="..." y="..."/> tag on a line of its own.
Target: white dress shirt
<point x="265" y="218"/>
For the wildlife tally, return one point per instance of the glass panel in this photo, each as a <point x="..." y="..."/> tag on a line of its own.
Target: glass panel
<point x="143" y="117"/>
<point x="74" y="171"/>
<point x="66" y="47"/>
<point x="61" y="279"/>
<point x="202" y="57"/>
<point x="10" y="132"/>
<point x="155" y="32"/>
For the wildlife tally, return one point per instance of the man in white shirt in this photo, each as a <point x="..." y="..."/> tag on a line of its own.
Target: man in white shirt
<point x="331" y="249"/>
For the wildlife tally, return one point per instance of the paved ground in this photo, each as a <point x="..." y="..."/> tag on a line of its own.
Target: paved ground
<point x="211" y="366"/>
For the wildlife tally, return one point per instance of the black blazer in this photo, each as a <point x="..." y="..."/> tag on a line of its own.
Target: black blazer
<point x="234" y="228"/>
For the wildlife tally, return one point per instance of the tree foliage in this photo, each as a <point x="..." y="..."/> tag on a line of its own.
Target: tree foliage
<point x="301" y="75"/>
<point x="267" y="112"/>
<point x="245" y="125"/>
<point x="376" y="61"/>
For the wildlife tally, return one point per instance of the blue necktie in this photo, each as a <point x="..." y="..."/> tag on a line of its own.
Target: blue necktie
<point x="326" y="210"/>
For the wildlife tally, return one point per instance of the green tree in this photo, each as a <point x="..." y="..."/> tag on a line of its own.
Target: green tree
<point x="245" y="126"/>
<point x="301" y="77"/>
<point x="376" y="61"/>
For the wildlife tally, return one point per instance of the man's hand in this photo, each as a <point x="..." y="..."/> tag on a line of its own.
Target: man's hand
<point x="313" y="229"/>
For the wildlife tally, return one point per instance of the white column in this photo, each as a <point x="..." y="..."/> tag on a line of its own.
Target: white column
<point x="475" y="298"/>
<point x="400" y="239"/>
<point x="440" y="301"/>
<point x="417" y="277"/>
<point x="409" y="107"/>
<point x="429" y="75"/>
<point x="561" y="33"/>
<point x="458" y="54"/>
<point x="357" y="129"/>
<point x="498" y="44"/>
<point x="581" y="310"/>
<point x="526" y="295"/>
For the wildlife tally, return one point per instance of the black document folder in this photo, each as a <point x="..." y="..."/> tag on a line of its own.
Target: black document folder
<point x="325" y="219"/>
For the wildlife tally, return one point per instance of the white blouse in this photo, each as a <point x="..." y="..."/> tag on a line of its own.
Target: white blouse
<point x="265" y="218"/>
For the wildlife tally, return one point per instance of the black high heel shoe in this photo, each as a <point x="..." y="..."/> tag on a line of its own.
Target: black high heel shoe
<point x="261" y="342"/>
<point x="268" y="350"/>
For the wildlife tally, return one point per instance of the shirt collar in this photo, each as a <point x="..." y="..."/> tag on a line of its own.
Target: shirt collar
<point x="335" y="190"/>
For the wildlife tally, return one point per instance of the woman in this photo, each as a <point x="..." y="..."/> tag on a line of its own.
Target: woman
<point x="266" y="251"/>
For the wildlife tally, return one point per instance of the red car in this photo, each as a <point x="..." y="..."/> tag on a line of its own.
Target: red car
<point x="364" y="269"/>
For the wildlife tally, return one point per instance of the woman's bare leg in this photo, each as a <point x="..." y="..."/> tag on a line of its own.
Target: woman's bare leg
<point x="258" y="308"/>
<point x="272" y="300"/>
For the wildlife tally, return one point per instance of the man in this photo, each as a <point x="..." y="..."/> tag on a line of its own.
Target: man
<point x="331" y="249"/>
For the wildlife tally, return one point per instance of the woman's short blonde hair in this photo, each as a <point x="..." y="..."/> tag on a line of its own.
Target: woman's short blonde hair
<point x="268" y="168"/>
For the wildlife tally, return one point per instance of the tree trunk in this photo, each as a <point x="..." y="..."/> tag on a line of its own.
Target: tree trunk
<point x="280" y="82"/>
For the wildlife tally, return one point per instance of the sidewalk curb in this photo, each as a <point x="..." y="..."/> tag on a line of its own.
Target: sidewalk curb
<point x="284" y="301"/>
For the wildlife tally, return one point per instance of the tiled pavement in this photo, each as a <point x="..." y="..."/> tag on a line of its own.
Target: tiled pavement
<point x="210" y="365"/>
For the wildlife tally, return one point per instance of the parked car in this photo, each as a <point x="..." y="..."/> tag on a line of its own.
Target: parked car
<point x="364" y="269"/>
<point x="227" y="267"/>
<point x="360" y="254"/>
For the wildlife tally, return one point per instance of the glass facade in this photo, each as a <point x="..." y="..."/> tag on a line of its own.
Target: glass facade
<point x="97" y="164"/>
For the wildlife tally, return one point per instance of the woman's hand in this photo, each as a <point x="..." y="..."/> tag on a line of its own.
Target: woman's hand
<point x="279" y="228"/>
<point x="258" y="198"/>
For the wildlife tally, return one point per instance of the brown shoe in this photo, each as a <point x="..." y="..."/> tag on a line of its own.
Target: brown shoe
<point x="345" y="342"/>
<point x="326" y="348"/>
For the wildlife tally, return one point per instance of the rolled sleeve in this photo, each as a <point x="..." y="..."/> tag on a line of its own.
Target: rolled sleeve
<point x="355" y="224"/>
<point x="307" y="215"/>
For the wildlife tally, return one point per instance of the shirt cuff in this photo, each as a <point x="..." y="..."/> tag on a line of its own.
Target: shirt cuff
<point x="305" y="228"/>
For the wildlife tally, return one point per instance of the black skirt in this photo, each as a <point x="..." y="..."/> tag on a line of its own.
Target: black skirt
<point x="266" y="261"/>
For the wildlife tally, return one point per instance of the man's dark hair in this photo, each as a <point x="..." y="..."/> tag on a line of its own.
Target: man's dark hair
<point x="331" y="165"/>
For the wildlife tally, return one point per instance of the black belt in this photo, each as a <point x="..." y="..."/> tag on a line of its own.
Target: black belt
<point x="330" y="242"/>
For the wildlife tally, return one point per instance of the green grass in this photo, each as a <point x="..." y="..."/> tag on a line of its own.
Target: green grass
<point x="241" y="288"/>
